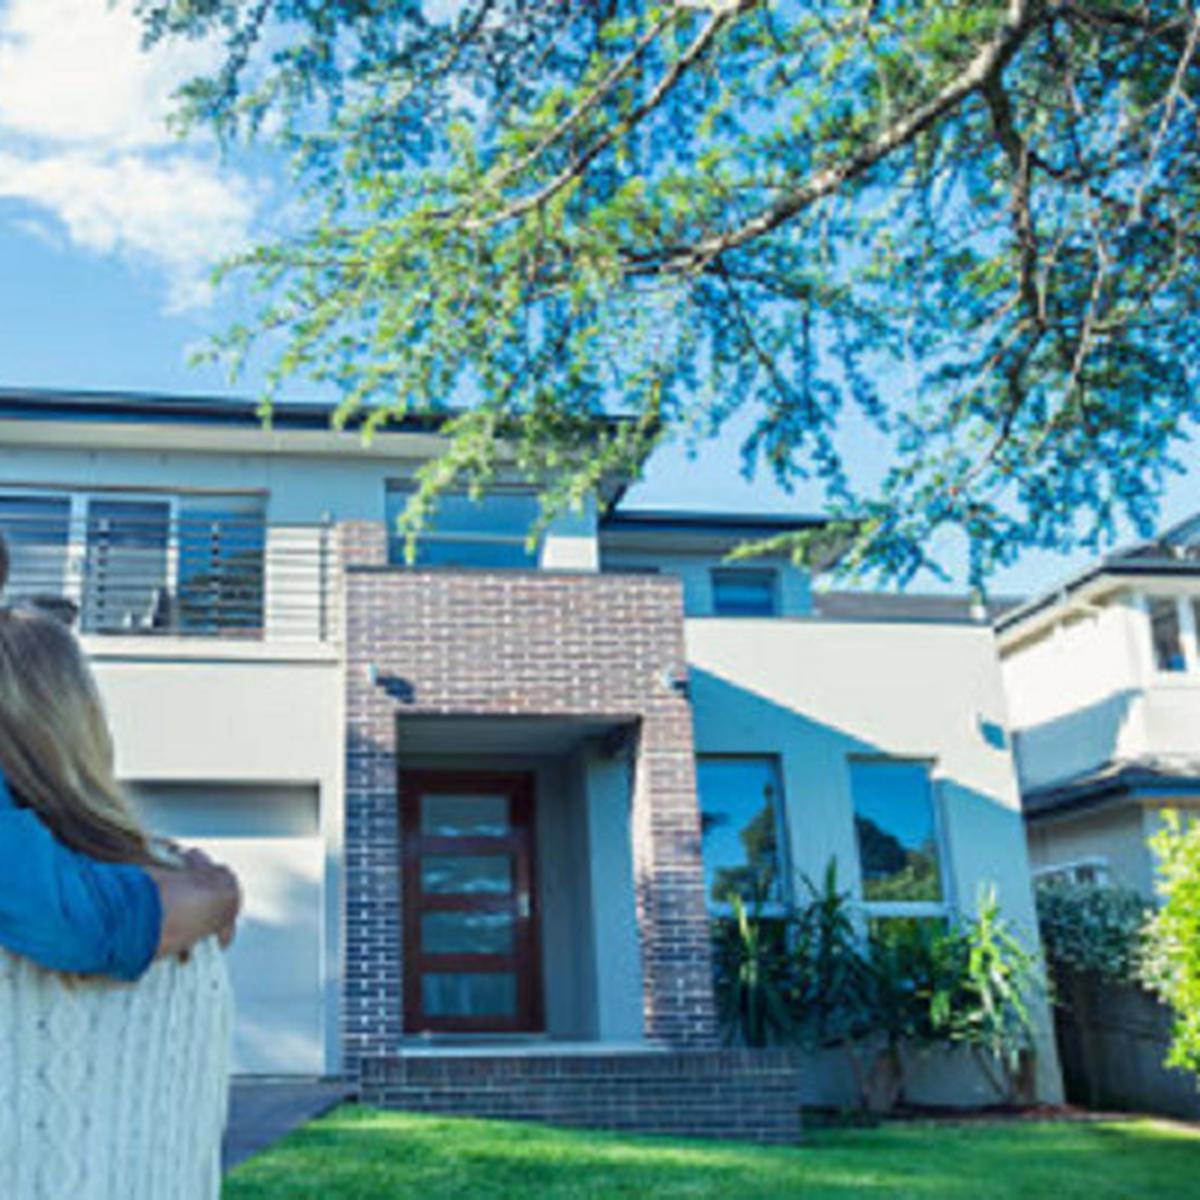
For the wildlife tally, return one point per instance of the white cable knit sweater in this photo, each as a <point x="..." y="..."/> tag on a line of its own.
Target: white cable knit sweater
<point x="114" y="1091"/>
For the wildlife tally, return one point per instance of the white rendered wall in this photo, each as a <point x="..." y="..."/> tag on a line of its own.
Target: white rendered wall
<point x="181" y="714"/>
<point x="1087" y="692"/>
<point x="1116" y="834"/>
<point x="815" y="693"/>
<point x="1075" y="692"/>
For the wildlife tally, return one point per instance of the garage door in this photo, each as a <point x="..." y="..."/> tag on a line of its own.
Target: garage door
<point x="271" y="837"/>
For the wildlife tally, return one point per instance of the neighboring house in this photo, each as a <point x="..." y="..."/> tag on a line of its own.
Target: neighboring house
<point x="485" y="804"/>
<point x="1103" y="682"/>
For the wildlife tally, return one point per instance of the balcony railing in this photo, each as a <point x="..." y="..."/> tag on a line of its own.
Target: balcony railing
<point x="138" y="570"/>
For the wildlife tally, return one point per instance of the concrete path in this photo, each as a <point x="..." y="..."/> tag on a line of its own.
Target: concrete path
<point x="261" y="1111"/>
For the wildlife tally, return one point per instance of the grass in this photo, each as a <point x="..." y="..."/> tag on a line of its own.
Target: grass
<point x="361" y="1154"/>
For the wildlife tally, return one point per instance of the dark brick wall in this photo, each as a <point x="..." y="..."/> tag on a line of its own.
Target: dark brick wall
<point x="748" y="1094"/>
<point x="519" y="643"/>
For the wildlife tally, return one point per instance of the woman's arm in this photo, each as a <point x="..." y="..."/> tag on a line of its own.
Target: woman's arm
<point x="68" y="913"/>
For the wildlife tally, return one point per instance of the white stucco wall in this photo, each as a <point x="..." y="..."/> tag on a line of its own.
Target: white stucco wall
<point x="1118" y="833"/>
<point x="1074" y="691"/>
<point x="1115" y="834"/>
<point x="182" y="713"/>
<point x="1084" y="690"/>
<point x="815" y="693"/>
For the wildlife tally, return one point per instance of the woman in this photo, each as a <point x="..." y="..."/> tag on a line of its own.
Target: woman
<point x="107" y="1091"/>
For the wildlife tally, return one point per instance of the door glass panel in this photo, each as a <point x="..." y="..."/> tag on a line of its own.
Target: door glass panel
<point x="464" y="816"/>
<point x="36" y="529"/>
<point x="126" y="564"/>
<point x="469" y="994"/>
<point x="467" y="874"/>
<point x="467" y="933"/>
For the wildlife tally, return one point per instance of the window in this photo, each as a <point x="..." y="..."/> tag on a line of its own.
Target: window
<point x="145" y="563"/>
<point x="37" y="529"/>
<point x="1166" y="634"/>
<point x="898" y="844"/>
<point x="126" y="563"/>
<point x="744" y="593"/>
<point x="1091" y="871"/>
<point x="222" y="548"/>
<point x="490" y="532"/>
<point x="741" y="807"/>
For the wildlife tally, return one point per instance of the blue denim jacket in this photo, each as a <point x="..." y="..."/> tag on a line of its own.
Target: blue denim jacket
<point x="65" y="911"/>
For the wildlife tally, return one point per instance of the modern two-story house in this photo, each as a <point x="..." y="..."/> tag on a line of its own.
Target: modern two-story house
<point x="485" y="804"/>
<point x="1103" y="682"/>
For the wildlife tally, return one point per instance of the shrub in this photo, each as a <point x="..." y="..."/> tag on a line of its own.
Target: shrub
<point x="1172" y="960"/>
<point x="754" y="971"/>
<point x="809" y="977"/>
<point x="1092" y="928"/>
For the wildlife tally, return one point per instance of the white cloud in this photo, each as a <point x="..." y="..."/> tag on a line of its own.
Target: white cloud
<point x="175" y="214"/>
<point x="83" y="138"/>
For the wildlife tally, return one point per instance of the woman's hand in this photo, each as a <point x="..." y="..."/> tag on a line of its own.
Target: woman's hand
<point x="199" y="899"/>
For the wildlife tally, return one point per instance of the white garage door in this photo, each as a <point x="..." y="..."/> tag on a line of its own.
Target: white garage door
<point x="271" y="837"/>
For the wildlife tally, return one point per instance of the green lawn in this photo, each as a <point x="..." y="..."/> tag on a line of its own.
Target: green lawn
<point x="363" y="1154"/>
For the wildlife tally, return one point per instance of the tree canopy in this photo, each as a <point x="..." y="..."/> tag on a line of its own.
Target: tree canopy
<point x="973" y="228"/>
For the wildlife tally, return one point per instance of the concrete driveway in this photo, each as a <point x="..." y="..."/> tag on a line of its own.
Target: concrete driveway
<point x="261" y="1111"/>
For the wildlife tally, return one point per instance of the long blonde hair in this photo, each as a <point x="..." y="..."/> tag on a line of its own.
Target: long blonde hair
<point x="56" y="752"/>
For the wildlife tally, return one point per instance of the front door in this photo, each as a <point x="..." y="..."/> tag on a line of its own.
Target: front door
<point x="470" y="919"/>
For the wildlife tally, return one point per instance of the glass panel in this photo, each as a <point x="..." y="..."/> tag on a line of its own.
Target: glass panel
<point x="126" y="565"/>
<point x="432" y="553"/>
<point x="897" y="836"/>
<point x="36" y="529"/>
<point x="900" y="935"/>
<point x="744" y="593"/>
<point x="467" y="874"/>
<point x="739" y="820"/>
<point x="484" y="994"/>
<point x="221" y="550"/>
<point x="467" y="933"/>
<point x="489" y="532"/>
<point x="464" y="816"/>
<point x="1164" y="629"/>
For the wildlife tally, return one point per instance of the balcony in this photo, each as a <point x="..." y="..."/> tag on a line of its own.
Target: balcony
<point x="153" y="567"/>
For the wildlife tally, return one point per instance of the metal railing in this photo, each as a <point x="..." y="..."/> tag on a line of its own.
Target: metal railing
<point x="145" y="571"/>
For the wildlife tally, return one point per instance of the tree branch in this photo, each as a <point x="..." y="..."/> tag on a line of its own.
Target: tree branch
<point x="1024" y="16"/>
<point x="704" y="39"/>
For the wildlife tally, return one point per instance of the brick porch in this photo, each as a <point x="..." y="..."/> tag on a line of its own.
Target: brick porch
<point x="608" y="647"/>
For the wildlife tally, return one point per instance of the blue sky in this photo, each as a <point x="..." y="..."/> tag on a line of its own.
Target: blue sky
<point x="108" y="227"/>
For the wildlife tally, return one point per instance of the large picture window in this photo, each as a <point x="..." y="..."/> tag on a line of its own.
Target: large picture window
<point x="741" y="810"/>
<point x="899" y="847"/>
<point x="492" y="531"/>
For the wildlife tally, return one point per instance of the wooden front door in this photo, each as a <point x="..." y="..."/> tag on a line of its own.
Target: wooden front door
<point x="470" y="907"/>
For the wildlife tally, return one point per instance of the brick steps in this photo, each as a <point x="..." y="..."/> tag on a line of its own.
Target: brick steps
<point x="750" y="1095"/>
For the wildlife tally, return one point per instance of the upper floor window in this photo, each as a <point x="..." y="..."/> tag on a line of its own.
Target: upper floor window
<point x="1166" y="633"/>
<point x="741" y="822"/>
<point x="899" y="848"/>
<point x="492" y="531"/>
<point x="744" y="592"/>
<point x="144" y="563"/>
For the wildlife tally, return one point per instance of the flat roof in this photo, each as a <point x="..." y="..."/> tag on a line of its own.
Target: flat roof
<point x="1121" y="779"/>
<point x="44" y="404"/>
<point x="663" y="520"/>
<point x="934" y="607"/>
